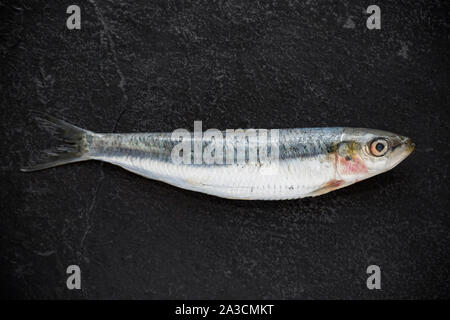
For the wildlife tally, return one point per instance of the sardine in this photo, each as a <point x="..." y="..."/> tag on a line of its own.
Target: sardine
<point x="308" y="162"/>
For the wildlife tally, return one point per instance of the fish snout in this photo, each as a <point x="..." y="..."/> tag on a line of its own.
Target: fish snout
<point x="401" y="148"/>
<point x="408" y="144"/>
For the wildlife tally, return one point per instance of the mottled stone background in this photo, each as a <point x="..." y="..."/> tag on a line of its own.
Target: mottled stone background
<point x="159" y="65"/>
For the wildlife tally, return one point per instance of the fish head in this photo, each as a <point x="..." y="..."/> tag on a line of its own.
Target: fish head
<point x="363" y="153"/>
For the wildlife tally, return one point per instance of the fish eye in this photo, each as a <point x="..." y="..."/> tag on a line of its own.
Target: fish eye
<point x="379" y="147"/>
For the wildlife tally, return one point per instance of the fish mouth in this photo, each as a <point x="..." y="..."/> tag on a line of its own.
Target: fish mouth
<point x="410" y="146"/>
<point x="401" y="149"/>
<point x="403" y="143"/>
<point x="407" y="144"/>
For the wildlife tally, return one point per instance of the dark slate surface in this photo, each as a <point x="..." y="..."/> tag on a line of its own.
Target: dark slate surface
<point x="139" y="66"/>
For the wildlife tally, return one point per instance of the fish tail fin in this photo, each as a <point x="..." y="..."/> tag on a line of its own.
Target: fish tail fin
<point x="73" y="148"/>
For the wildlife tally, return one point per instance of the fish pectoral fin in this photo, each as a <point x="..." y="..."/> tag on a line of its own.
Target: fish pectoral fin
<point x="327" y="187"/>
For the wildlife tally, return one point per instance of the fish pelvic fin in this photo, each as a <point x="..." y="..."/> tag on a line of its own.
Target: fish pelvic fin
<point x="74" y="145"/>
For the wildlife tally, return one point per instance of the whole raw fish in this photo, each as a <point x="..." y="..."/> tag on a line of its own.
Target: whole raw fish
<point x="298" y="162"/>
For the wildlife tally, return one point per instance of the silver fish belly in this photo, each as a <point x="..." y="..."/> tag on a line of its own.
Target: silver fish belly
<point x="309" y="162"/>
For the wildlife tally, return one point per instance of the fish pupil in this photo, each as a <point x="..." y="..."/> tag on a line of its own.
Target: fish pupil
<point x="379" y="147"/>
